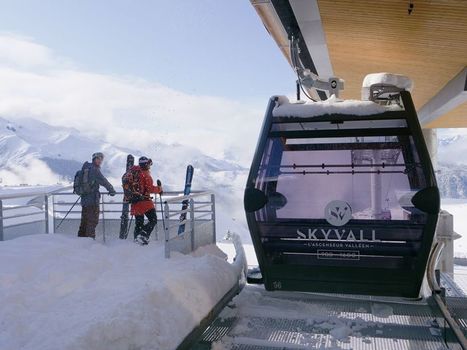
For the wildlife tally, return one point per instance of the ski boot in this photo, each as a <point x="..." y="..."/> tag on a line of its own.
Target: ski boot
<point x="141" y="240"/>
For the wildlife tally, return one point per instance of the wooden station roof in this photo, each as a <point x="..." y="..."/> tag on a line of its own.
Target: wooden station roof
<point x="429" y="46"/>
<point x="368" y="36"/>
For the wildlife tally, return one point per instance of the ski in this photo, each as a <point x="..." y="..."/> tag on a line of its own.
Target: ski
<point x="186" y="192"/>
<point x="124" y="218"/>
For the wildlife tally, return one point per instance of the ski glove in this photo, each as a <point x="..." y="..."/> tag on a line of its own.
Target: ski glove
<point x="112" y="193"/>
<point x="159" y="184"/>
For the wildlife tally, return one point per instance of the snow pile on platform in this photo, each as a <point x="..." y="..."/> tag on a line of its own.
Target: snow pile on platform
<point x="70" y="293"/>
<point x="332" y="105"/>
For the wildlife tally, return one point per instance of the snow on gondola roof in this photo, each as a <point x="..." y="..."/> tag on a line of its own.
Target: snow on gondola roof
<point x="333" y="105"/>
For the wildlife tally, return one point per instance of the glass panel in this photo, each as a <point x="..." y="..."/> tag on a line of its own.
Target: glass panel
<point x="375" y="176"/>
<point x="344" y="125"/>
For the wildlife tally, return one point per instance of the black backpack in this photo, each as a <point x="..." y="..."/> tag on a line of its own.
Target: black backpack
<point x="81" y="184"/>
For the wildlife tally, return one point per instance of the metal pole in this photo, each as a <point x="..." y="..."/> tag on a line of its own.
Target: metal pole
<point x="68" y="212"/>
<point x="103" y="219"/>
<point x="129" y="226"/>
<point x="46" y="211"/>
<point x="192" y="219"/>
<point x="162" y="215"/>
<point x="213" y="208"/>
<point x="376" y="187"/>
<point x="1" y="221"/>
<point x="166" y="228"/>
<point x="53" y="212"/>
<point x="159" y="183"/>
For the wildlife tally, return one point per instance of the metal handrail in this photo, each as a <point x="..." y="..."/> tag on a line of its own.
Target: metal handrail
<point x="190" y="196"/>
<point x="16" y="207"/>
<point x="203" y="206"/>
<point x="192" y="215"/>
<point x="32" y="193"/>
<point x="22" y="215"/>
<point x="437" y="291"/>
<point x="200" y="212"/>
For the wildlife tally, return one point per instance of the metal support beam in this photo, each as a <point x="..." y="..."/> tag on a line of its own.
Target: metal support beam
<point x="452" y="95"/>
<point x="300" y="19"/>
<point x="309" y="21"/>
<point x="431" y="140"/>
<point x="445" y="234"/>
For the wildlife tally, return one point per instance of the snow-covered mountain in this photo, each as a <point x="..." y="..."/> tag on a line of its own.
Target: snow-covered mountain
<point x="453" y="148"/>
<point x="452" y="180"/>
<point x="452" y="167"/>
<point x="33" y="152"/>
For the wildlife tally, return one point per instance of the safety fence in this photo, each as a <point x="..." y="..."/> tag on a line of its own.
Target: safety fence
<point x="38" y="212"/>
<point x="182" y="226"/>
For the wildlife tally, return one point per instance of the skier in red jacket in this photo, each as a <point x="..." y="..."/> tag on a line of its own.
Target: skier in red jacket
<point x="146" y="205"/>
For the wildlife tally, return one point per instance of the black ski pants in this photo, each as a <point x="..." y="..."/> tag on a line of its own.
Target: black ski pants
<point x="145" y="229"/>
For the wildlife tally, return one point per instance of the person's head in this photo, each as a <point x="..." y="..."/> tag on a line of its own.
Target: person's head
<point x="145" y="163"/>
<point x="98" y="158"/>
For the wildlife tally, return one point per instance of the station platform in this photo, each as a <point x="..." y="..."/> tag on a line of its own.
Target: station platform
<point x="259" y="320"/>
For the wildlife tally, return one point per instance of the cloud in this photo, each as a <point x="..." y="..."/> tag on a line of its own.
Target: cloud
<point x="22" y="52"/>
<point x="32" y="171"/>
<point x="126" y="111"/>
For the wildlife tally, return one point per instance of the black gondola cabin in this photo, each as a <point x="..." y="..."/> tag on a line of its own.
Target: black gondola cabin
<point x="342" y="198"/>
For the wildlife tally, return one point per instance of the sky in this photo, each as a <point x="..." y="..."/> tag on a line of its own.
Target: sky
<point x="134" y="72"/>
<point x="209" y="47"/>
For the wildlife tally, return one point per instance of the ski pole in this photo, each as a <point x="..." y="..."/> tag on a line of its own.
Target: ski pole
<point x="68" y="213"/>
<point x="159" y="183"/>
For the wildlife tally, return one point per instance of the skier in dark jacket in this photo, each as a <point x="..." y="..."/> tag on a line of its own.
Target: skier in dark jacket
<point x="90" y="200"/>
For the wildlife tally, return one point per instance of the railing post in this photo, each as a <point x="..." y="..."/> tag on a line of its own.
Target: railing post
<point x="213" y="217"/>
<point x="192" y="221"/>
<point x="1" y="221"/>
<point x="53" y="213"/>
<point x="46" y="212"/>
<point x="167" y="225"/>
<point x="103" y="218"/>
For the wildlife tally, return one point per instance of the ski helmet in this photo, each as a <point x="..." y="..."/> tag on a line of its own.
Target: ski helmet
<point x="144" y="162"/>
<point x="99" y="155"/>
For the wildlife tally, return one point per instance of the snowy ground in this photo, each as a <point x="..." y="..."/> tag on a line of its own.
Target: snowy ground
<point x="250" y="254"/>
<point x="458" y="208"/>
<point x="67" y="293"/>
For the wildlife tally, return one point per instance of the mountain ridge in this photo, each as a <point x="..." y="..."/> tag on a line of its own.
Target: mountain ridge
<point x="28" y="144"/>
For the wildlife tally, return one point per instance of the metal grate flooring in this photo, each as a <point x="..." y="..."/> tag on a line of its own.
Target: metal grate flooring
<point x="261" y="320"/>
<point x="456" y="286"/>
<point x="254" y="322"/>
<point x="456" y="296"/>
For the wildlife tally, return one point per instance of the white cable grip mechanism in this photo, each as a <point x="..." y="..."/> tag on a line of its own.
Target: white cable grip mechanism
<point x="334" y="85"/>
<point x="308" y="79"/>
